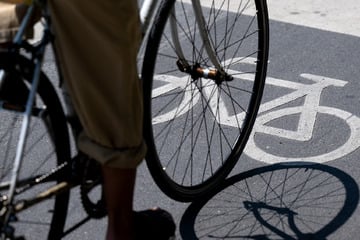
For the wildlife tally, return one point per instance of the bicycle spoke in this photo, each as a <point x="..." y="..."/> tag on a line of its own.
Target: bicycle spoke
<point x="209" y="66"/>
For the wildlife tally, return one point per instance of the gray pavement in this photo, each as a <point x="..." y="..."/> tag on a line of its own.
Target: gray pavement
<point x="315" y="49"/>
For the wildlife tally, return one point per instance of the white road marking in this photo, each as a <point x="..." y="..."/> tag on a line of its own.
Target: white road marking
<point x="330" y="15"/>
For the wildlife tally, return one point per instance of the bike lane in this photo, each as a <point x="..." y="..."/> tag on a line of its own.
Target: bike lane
<point x="303" y="119"/>
<point x="328" y="114"/>
<point x="310" y="112"/>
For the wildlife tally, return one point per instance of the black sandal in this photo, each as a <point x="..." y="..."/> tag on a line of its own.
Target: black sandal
<point x="154" y="224"/>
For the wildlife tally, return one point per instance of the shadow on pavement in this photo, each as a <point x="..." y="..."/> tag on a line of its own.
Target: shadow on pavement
<point x="283" y="201"/>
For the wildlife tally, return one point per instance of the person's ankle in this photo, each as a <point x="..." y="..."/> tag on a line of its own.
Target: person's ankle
<point x="120" y="227"/>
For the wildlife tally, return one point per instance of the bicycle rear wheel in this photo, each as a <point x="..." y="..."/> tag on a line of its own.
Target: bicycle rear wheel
<point x="47" y="148"/>
<point x="197" y="121"/>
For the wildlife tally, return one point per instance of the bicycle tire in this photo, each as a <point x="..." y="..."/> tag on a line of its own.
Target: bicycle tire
<point x="204" y="121"/>
<point x="20" y="72"/>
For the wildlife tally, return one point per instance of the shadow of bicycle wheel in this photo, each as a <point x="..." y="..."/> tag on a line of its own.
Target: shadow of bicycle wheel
<point x="297" y="200"/>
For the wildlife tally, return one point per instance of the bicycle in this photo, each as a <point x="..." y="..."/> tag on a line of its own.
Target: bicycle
<point x="26" y="90"/>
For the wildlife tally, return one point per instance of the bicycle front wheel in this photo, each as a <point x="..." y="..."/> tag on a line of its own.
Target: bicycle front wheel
<point x="46" y="151"/>
<point x="199" y="110"/>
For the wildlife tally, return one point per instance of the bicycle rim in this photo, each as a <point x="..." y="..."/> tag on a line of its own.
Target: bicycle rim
<point x="196" y="123"/>
<point x="46" y="148"/>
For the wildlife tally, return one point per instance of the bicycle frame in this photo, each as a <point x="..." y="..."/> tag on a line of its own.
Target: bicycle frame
<point x="38" y="59"/>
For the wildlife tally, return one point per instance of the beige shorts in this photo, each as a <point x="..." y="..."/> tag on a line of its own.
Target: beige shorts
<point x="11" y="13"/>
<point x="97" y="43"/>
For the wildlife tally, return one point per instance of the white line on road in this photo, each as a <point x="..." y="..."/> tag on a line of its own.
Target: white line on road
<point x="331" y="15"/>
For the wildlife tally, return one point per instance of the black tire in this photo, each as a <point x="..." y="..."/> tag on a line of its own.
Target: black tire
<point x="47" y="147"/>
<point x="191" y="145"/>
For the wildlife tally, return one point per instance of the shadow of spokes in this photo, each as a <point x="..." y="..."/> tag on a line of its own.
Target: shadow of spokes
<point x="295" y="200"/>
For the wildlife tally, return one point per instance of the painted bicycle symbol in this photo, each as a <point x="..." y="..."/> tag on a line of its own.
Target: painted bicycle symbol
<point x="307" y="114"/>
<point x="276" y="109"/>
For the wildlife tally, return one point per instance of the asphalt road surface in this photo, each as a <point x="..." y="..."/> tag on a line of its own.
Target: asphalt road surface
<point x="310" y="112"/>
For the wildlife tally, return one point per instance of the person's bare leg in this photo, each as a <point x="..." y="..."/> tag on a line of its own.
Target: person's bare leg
<point x="119" y="191"/>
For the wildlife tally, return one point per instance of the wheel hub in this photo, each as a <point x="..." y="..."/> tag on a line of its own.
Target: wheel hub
<point x="196" y="71"/>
